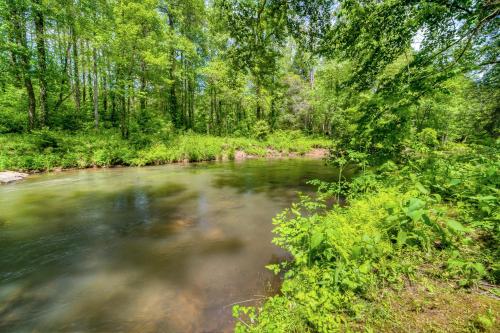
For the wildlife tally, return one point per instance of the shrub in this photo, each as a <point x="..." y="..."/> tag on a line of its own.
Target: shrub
<point x="261" y="130"/>
<point x="44" y="139"/>
<point x="428" y="137"/>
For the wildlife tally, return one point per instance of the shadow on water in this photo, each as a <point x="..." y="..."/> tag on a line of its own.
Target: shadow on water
<point x="162" y="249"/>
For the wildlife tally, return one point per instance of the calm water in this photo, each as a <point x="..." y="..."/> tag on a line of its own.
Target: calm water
<point x="157" y="249"/>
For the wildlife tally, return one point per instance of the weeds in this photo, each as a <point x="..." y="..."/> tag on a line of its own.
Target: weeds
<point x="45" y="150"/>
<point x="437" y="208"/>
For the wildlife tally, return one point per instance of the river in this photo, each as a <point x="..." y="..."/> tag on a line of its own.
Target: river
<point x="154" y="249"/>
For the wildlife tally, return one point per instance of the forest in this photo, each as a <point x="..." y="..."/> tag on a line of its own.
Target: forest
<point x="404" y="96"/>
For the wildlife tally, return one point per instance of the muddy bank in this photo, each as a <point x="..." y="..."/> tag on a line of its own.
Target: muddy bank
<point x="271" y="153"/>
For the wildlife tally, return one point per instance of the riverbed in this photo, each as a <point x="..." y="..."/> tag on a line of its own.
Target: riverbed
<point x="154" y="249"/>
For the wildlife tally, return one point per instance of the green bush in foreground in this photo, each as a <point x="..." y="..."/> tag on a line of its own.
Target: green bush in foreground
<point x="440" y="207"/>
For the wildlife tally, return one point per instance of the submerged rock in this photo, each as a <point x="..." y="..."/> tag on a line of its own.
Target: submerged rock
<point x="11" y="176"/>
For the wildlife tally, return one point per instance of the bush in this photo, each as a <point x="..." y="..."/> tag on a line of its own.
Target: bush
<point x="12" y="121"/>
<point x="67" y="120"/>
<point x="435" y="216"/>
<point x="45" y="139"/>
<point x="428" y="137"/>
<point x="261" y="130"/>
<point x="13" y="117"/>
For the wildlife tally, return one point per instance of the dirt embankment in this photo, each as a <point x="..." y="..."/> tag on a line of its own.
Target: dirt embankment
<point x="271" y="153"/>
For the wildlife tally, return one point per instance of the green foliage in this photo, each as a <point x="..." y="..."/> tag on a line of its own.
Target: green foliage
<point x="261" y="130"/>
<point x="12" y="119"/>
<point x="398" y="86"/>
<point x="45" y="140"/>
<point x="428" y="137"/>
<point x="417" y="213"/>
<point x="484" y="322"/>
<point x="47" y="150"/>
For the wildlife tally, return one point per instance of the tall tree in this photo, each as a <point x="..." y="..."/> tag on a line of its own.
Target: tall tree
<point x="257" y="28"/>
<point x="39" y="18"/>
<point x="15" y="14"/>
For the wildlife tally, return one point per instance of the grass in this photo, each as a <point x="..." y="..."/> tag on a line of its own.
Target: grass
<point x="45" y="151"/>
<point x="429" y="305"/>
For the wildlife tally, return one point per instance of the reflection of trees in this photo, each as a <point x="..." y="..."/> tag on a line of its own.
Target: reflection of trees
<point x="274" y="177"/>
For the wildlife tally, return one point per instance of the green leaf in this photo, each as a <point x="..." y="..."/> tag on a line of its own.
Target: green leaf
<point x="365" y="268"/>
<point x="455" y="226"/>
<point x="316" y="239"/>
<point x="415" y="204"/>
<point x="275" y="268"/>
<point x="486" y="198"/>
<point x="416" y="214"/>
<point x="349" y="283"/>
<point x="427" y="220"/>
<point x="421" y="188"/>
<point x="479" y="268"/>
<point x="402" y="237"/>
<point x="356" y="252"/>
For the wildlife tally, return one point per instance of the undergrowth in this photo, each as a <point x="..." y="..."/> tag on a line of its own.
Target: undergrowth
<point x="433" y="214"/>
<point x="47" y="150"/>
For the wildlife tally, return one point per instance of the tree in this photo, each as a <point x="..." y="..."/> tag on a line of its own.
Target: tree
<point x="39" y="18"/>
<point x="15" y="12"/>
<point x="257" y="29"/>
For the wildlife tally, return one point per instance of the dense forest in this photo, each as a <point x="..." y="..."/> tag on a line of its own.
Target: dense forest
<point x="365" y="74"/>
<point x="406" y="93"/>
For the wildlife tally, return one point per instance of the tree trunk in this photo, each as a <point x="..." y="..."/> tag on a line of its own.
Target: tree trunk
<point x="42" y="62"/>
<point x="191" y="102"/>
<point x="31" y="101"/>
<point x="84" y="87"/>
<point x="172" y="95"/>
<point x="64" y="79"/>
<point x="96" y="91"/>
<point x="143" y="87"/>
<point x="76" y="73"/>
<point x="258" y="97"/>
<point x="19" y="36"/>
<point x="311" y="77"/>
<point x="105" y="94"/>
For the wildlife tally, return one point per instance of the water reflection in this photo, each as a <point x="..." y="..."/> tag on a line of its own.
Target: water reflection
<point x="142" y="250"/>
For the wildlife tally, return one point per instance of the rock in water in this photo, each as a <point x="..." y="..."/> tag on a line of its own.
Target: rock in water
<point x="11" y="176"/>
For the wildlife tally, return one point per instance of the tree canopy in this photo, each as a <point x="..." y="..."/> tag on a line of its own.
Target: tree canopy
<point x="362" y="69"/>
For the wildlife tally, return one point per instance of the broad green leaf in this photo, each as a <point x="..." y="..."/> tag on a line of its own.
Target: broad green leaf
<point x="479" y="268"/>
<point x="416" y="214"/>
<point x="365" y="268"/>
<point x="402" y="237"/>
<point x="356" y="252"/>
<point x="415" y="204"/>
<point x="486" y="198"/>
<point x="316" y="239"/>
<point x="421" y="188"/>
<point x="349" y="283"/>
<point x="455" y="226"/>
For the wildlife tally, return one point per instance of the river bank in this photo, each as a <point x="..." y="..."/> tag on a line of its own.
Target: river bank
<point x="43" y="151"/>
<point x="7" y="177"/>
